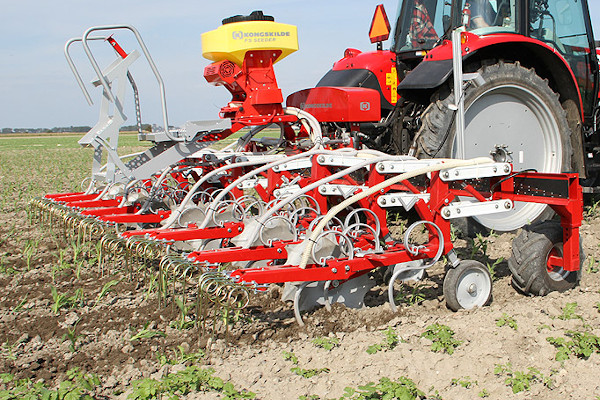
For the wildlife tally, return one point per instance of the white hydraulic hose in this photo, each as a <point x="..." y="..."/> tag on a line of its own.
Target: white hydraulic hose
<point x="212" y="207"/>
<point x="303" y="116"/>
<point x="314" y="185"/>
<point x="445" y="164"/>
<point x="191" y="193"/>
<point x="315" y="132"/>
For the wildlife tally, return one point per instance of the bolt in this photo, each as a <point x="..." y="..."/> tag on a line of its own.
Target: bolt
<point x="380" y="167"/>
<point x="279" y="251"/>
<point x="456" y="173"/>
<point x="458" y="210"/>
<point x="391" y="167"/>
<point x="383" y="201"/>
<point x="393" y="200"/>
<point x="229" y="230"/>
<point x="347" y="268"/>
<point x="507" y="205"/>
<point x="472" y="290"/>
<point x="506" y="169"/>
<point x="447" y="213"/>
<point x="321" y="159"/>
<point x="495" y="169"/>
<point x="334" y="270"/>
<point x="446" y="174"/>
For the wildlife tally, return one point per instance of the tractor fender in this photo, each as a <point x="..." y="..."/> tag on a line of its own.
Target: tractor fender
<point x="372" y="69"/>
<point x="548" y="63"/>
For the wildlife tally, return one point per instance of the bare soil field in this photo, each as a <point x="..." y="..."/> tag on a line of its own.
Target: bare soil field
<point x="71" y="328"/>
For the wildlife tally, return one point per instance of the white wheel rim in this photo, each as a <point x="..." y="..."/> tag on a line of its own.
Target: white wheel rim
<point x="534" y="140"/>
<point x="473" y="288"/>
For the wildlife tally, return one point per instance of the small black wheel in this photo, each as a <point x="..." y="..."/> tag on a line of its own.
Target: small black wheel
<point x="531" y="262"/>
<point x="467" y="286"/>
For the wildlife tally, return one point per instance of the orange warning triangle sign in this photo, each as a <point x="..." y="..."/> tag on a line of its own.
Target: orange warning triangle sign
<point x="380" y="26"/>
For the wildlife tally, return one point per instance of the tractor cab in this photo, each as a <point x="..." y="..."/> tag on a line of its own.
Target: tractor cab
<point x="561" y="25"/>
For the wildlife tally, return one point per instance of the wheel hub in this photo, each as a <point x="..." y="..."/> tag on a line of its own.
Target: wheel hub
<point x="472" y="289"/>
<point x="501" y="154"/>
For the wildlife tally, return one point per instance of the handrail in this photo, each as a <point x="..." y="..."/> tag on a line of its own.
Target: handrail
<point x="102" y="79"/>
<point x="74" y="68"/>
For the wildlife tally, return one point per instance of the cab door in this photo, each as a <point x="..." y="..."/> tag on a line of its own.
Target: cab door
<point x="565" y="25"/>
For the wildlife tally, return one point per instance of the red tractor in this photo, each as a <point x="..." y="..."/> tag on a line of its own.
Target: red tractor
<point x="530" y="88"/>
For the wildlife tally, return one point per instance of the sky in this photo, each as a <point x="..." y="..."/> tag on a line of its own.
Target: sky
<point x="38" y="90"/>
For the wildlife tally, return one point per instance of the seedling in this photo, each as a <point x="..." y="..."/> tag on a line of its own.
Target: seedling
<point x="72" y="335"/>
<point x="7" y="350"/>
<point x="484" y="393"/>
<point x="63" y="300"/>
<point x="106" y="289"/>
<point x="61" y="265"/>
<point x="29" y="251"/>
<point x="152" y="286"/>
<point x="308" y="373"/>
<point x="402" y="388"/>
<point x="79" y="268"/>
<point x="391" y="341"/>
<point x="180" y="357"/>
<point x="580" y="344"/>
<point x="492" y="268"/>
<point x="326" y="343"/>
<point x="592" y="211"/>
<point x="521" y="381"/>
<point x="290" y="356"/>
<point x="79" y="386"/>
<point x="411" y="295"/>
<point x="593" y="265"/>
<point x="480" y="244"/>
<point x="465" y="382"/>
<point x="506" y="320"/>
<point x="7" y="270"/>
<point x="146" y="333"/>
<point x="568" y="312"/>
<point x="544" y="326"/>
<point x="19" y="307"/>
<point x="192" y="379"/>
<point x="183" y="322"/>
<point x="442" y="337"/>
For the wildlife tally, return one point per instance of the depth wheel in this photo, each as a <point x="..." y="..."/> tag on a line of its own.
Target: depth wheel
<point x="467" y="286"/>
<point x="531" y="266"/>
<point x="510" y="113"/>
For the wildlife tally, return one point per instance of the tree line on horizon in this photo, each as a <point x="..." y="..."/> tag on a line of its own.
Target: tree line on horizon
<point x="66" y="129"/>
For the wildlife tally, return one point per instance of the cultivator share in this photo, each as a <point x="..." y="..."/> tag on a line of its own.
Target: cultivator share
<point x="307" y="208"/>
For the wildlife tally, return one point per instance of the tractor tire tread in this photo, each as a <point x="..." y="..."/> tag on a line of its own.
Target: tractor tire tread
<point x="528" y="261"/>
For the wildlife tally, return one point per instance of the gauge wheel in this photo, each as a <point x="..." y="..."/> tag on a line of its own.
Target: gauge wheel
<point x="467" y="286"/>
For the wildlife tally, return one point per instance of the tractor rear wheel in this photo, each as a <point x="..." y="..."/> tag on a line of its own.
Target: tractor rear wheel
<point x="511" y="114"/>
<point x="530" y="265"/>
